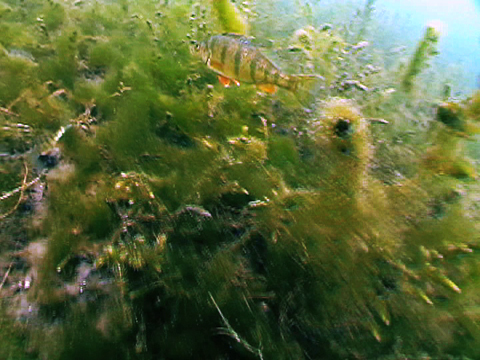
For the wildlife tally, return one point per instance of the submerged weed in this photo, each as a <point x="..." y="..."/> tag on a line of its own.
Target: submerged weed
<point x="426" y="48"/>
<point x="177" y="219"/>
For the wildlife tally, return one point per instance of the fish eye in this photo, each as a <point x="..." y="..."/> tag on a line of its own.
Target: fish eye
<point x="195" y="45"/>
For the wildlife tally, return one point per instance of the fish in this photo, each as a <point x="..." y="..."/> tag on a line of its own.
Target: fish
<point x="236" y="60"/>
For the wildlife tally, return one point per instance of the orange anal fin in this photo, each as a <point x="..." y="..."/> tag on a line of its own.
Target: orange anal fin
<point x="268" y="88"/>
<point x="224" y="80"/>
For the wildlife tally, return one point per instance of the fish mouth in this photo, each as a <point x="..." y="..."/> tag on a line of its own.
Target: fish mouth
<point x="194" y="47"/>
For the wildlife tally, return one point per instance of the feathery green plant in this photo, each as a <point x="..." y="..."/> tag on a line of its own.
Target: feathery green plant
<point x="185" y="220"/>
<point x="426" y="49"/>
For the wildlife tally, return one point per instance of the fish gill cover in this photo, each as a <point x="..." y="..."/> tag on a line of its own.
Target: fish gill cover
<point x="148" y="212"/>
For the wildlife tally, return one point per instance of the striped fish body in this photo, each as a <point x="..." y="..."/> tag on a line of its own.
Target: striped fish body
<point x="233" y="57"/>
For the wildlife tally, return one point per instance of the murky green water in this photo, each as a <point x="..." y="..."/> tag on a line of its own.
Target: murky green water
<point x="149" y="212"/>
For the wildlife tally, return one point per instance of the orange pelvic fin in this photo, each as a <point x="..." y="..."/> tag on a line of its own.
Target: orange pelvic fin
<point x="224" y="81"/>
<point x="268" y="88"/>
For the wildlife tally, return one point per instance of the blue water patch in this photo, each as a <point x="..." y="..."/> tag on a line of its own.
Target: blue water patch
<point x="460" y="21"/>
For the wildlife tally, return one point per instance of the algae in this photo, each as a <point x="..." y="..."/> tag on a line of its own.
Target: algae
<point x="151" y="213"/>
<point x="229" y="17"/>
<point x="424" y="52"/>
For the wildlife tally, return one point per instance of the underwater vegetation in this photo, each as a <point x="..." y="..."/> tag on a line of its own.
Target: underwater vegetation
<point x="425" y="50"/>
<point x="148" y="212"/>
<point x="229" y="17"/>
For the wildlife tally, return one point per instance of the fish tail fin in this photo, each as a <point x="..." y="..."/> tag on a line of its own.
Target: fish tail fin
<point x="306" y="88"/>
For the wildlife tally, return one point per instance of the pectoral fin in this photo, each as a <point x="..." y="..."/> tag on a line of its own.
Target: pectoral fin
<point x="227" y="81"/>
<point x="268" y="88"/>
<point x="224" y="80"/>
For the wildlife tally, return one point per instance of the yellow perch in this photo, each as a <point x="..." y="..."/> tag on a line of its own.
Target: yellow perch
<point x="236" y="60"/>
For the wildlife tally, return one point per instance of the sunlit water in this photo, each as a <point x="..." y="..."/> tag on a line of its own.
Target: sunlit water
<point x="460" y="21"/>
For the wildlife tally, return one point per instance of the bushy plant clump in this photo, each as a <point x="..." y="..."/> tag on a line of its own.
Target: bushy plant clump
<point x="178" y="219"/>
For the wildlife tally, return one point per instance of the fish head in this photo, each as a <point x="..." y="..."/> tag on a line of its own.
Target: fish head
<point x="199" y="49"/>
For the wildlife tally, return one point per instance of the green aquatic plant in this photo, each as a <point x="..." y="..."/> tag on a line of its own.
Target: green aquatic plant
<point x="451" y="114"/>
<point x="13" y="336"/>
<point x="448" y="155"/>
<point x="473" y="106"/>
<point x="366" y="18"/>
<point x="348" y="68"/>
<point x="316" y="50"/>
<point x="426" y="49"/>
<point x="4" y="9"/>
<point x="17" y="72"/>
<point x="52" y="16"/>
<point x="342" y="136"/>
<point x="449" y="158"/>
<point x="173" y="218"/>
<point x="230" y="18"/>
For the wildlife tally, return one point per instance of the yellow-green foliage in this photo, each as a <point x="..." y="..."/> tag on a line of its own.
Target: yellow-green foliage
<point x="4" y="9"/>
<point x="342" y="135"/>
<point x="342" y="125"/>
<point x="53" y="16"/>
<point x="450" y="162"/>
<point x="16" y="73"/>
<point x="366" y="18"/>
<point x="11" y="335"/>
<point x="448" y="156"/>
<point x="12" y="174"/>
<point x="451" y="114"/>
<point x="319" y="48"/>
<point x="460" y="117"/>
<point x="473" y="106"/>
<point x="229" y="17"/>
<point x="216" y="223"/>
<point x="41" y="108"/>
<point x="426" y="48"/>
<point x="248" y="149"/>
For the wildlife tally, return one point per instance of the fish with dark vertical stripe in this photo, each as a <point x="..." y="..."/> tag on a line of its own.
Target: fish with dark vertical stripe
<point x="236" y="60"/>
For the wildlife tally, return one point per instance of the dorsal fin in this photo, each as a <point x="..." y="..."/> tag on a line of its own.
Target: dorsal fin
<point x="240" y="37"/>
<point x="235" y="35"/>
